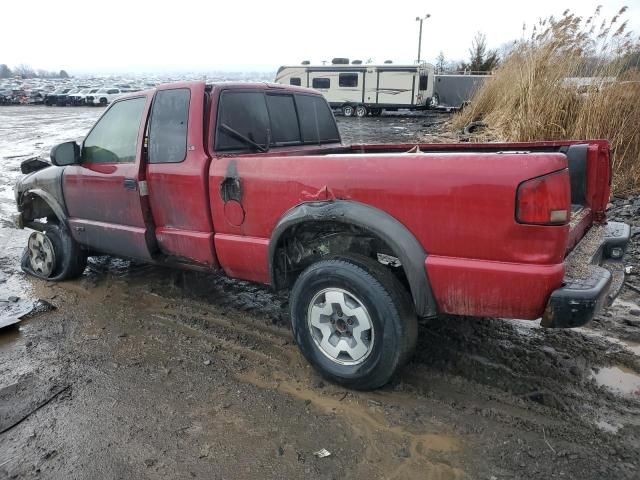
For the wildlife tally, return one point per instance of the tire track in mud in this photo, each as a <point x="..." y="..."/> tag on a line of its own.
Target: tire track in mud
<point x="253" y="330"/>
<point x="550" y="368"/>
<point x="526" y="377"/>
<point x="368" y="421"/>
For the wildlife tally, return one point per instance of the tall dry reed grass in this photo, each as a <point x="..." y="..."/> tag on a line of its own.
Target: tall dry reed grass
<point x="539" y="92"/>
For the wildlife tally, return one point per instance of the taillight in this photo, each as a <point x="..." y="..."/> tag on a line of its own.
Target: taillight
<point x="545" y="200"/>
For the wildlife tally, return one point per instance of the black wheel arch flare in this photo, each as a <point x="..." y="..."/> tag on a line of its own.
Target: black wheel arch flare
<point x="403" y="243"/>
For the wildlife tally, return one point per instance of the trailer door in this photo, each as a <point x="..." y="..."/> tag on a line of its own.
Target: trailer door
<point x="396" y="87"/>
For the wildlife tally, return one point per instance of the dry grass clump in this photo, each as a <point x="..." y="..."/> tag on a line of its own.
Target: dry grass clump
<point x="540" y="91"/>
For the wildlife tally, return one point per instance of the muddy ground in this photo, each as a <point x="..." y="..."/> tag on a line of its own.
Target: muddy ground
<point x="135" y="371"/>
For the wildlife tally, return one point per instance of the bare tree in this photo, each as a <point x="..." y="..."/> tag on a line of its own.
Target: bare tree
<point x="441" y="62"/>
<point x="24" y="71"/>
<point x="5" y="71"/>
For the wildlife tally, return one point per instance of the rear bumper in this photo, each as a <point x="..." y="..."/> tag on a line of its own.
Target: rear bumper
<point x="594" y="275"/>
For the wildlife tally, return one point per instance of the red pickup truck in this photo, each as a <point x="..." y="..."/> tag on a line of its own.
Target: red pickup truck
<point x="253" y="180"/>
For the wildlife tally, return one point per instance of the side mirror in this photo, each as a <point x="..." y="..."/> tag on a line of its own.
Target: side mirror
<point x="67" y="153"/>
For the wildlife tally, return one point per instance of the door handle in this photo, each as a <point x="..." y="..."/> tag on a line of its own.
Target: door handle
<point x="130" y="184"/>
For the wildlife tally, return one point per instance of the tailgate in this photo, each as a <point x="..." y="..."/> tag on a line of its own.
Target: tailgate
<point x="590" y="173"/>
<point x="594" y="272"/>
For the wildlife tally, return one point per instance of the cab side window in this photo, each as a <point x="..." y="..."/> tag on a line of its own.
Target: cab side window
<point x="114" y="139"/>
<point x="242" y="115"/>
<point x="168" y="129"/>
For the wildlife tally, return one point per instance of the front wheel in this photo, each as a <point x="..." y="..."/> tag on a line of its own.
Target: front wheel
<point x="353" y="321"/>
<point x="52" y="254"/>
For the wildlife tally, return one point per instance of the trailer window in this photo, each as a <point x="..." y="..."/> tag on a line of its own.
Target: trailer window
<point x="295" y="81"/>
<point x="348" y="80"/>
<point x="316" y="120"/>
<point x="168" y="129"/>
<point x="245" y="113"/>
<point x="284" y="121"/>
<point x="424" y="81"/>
<point x="321" y="83"/>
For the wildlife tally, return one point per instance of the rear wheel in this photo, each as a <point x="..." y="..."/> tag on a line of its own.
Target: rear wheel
<point x="353" y="321"/>
<point x="347" y="110"/>
<point x="361" y="111"/>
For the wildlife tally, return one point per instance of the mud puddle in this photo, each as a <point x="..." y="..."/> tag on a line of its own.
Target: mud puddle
<point x="620" y="379"/>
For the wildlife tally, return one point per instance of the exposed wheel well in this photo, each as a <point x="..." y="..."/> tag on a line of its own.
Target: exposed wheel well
<point x="34" y="207"/>
<point x="308" y="242"/>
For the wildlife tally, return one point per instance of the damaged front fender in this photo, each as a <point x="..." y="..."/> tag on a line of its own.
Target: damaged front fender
<point x="39" y="195"/>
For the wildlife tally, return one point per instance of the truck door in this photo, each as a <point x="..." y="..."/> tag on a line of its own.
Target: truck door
<point x="104" y="194"/>
<point x="177" y="171"/>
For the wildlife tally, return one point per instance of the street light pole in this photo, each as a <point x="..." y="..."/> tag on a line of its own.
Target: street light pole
<point x="421" y="19"/>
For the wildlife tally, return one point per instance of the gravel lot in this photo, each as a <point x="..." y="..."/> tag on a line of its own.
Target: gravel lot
<point x="136" y="371"/>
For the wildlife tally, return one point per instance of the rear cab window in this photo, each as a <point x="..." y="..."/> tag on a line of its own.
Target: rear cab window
<point x="249" y="121"/>
<point x="284" y="120"/>
<point x="316" y="120"/>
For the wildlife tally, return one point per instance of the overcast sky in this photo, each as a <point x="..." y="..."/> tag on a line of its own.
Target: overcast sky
<point x="154" y="36"/>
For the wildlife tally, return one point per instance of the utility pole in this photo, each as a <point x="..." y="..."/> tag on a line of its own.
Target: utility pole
<point x="421" y="19"/>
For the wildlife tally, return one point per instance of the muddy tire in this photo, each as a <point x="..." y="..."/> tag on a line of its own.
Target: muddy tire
<point x="52" y="254"/>
<point x="353" y="320"/>
<point x="361" y="111"/>
<point x="347" y="110"/>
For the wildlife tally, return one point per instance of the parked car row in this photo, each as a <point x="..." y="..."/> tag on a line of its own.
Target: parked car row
<point x="66" y="95"/>
<point x="86" y="95"/>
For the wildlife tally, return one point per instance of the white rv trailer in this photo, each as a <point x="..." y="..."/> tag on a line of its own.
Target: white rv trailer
<point x="360" y="89"/>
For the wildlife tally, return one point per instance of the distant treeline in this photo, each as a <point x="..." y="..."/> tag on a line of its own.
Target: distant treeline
<point x="25" y="71"/>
